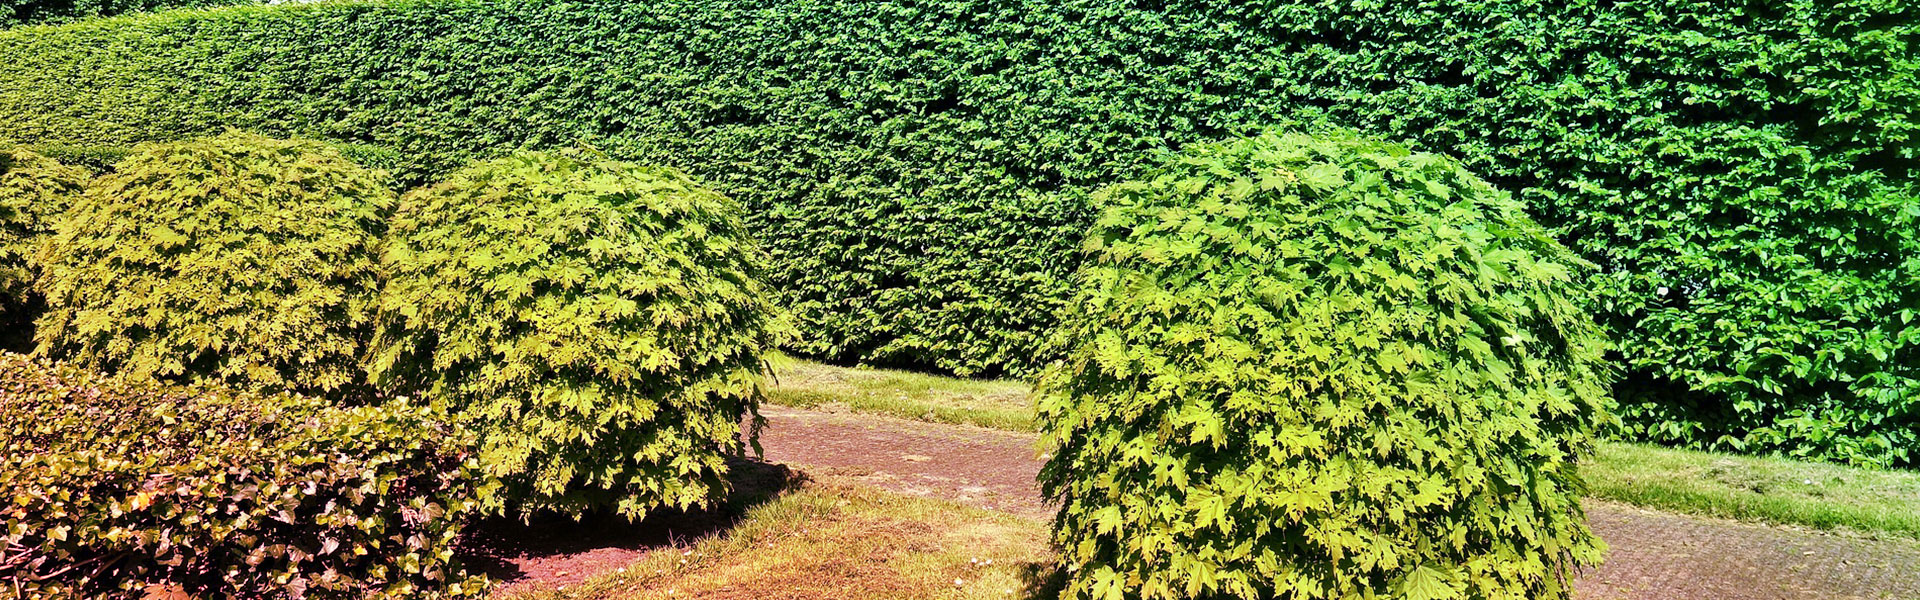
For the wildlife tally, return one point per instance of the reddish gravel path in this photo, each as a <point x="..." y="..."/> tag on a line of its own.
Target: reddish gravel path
<point x="1655" y="556"/>
<point x="555" y="551"/>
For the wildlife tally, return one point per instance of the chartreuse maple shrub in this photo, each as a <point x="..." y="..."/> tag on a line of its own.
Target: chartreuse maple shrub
<point x="602" y="322"/>
<point x="34" y="190"/>
<point x="236" y="258"/>
<point x="1321" y="368"/>
<point x="109" y="484"/>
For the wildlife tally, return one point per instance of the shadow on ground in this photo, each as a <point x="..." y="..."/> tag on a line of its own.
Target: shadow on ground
<point x="1043" y="580"/>
<point x="554" y="550"/>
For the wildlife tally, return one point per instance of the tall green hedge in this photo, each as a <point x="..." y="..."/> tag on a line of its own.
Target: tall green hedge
<point x="1741" y="172"/>
<point x="42" y="12"/>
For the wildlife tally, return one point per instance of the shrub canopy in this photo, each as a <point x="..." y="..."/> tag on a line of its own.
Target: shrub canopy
<point x="604" y="322"/>
<point x="109" y="484"/>
<point x="921" y="185"/>
<point x="1321" y="368"/>
<point x="33" y="191"/>
<point x="238" y="258"/>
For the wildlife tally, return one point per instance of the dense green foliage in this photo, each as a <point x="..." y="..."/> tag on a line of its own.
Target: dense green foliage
<point x="32" y="12"/>
<point x="95" y="159"/>
<point x="107" y="485"/>
<point x="237" y="258"/>
<point x="920" y="183"/>
<point x="33" y="191"/>
<point x="1306" y="368"/>
<point x="602" y="322"/>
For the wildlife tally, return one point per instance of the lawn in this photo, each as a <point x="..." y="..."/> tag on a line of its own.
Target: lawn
<point x="994" y="404"/>
<point x="842" y="541"/>
<point x="1769" y="490"/>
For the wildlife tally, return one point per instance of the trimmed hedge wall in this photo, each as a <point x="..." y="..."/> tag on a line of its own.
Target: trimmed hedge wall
<point x="108" y="485"/>
<point x="1741" y="173"/>
<point x="43" y="12"/>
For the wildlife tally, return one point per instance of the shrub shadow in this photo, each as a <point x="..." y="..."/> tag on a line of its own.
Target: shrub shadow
<point x="504" y="547"/>
<point x="1042" y="581"/>
<point x="17" y="323"/>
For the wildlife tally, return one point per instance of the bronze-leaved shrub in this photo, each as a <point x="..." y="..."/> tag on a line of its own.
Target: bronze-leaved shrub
<point x="236" y="258"/>
<point x="34" y="190"/>
<point x="602" y="322"/>
<point x="108" y="485"/>
<point x="1321" y="368"/>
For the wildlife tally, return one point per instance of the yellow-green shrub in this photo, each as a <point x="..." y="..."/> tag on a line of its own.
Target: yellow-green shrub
<point x="238" y="258"/>
<point x="109" y="484"/>
<point x="1321" y="368"/>
<point x="33" y="191"/>
<point x="603" y="322"/>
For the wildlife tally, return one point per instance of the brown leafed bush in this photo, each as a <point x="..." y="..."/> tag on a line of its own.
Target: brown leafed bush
<point x="108" y="485"/>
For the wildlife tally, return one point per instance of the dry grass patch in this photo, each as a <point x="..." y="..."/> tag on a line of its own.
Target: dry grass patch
<point x="833" y="540"/>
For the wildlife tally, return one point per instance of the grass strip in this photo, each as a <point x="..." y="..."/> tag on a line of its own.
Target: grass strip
<point x="1749" y="488"/>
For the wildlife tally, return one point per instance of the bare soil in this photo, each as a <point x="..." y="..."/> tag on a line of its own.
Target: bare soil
<point x="550" y="551"/>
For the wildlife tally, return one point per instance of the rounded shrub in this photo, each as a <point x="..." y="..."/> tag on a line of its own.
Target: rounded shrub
<point x="604" y="322"/>
<point x="1307" y="367"/>
<point x="34" y="190"/>
<point x="238" y="258"/>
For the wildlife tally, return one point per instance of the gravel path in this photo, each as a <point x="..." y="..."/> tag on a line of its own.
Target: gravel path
<point x="1655" y="556"/>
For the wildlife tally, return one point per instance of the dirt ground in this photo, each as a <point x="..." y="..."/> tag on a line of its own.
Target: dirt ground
<point x="556" y="552"/>
<point x="1655" y="556"/>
